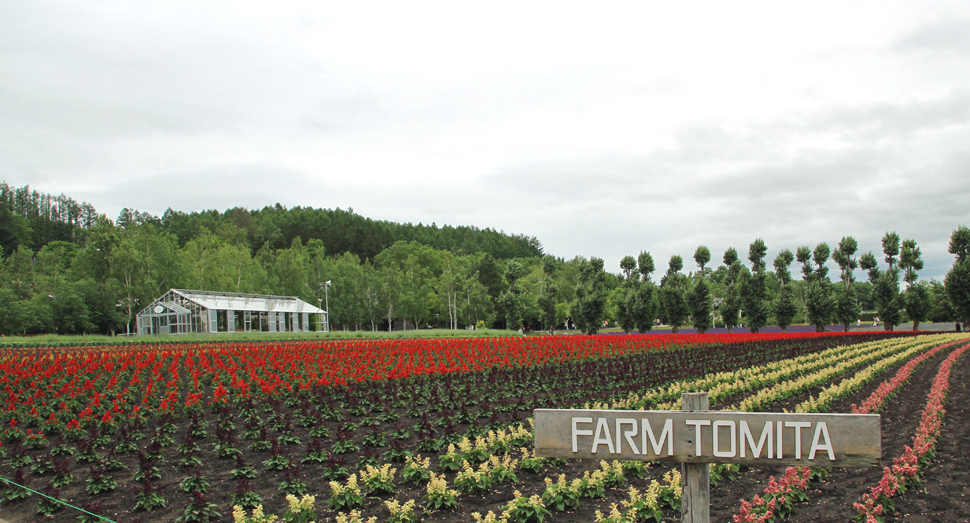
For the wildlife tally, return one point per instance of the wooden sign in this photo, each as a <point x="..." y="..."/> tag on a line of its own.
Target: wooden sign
<point x="703" y="436"/>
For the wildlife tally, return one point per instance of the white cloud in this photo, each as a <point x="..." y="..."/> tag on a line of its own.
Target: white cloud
<point x="601" y="130"/>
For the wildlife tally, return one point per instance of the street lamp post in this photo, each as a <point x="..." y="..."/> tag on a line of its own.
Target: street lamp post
<point x="326" y="294"/>
<point x="320" y="304"/>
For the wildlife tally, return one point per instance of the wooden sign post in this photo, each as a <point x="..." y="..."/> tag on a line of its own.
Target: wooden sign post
<point x="695" y="505"/>
<point x="697" y="437"/>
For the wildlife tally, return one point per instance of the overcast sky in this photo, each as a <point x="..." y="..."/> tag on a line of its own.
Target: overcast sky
<point x="601" y="129"/>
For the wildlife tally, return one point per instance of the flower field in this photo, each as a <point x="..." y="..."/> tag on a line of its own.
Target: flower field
<point x="438" y="430"/>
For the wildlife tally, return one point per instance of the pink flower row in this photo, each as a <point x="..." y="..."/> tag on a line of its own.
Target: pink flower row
<point x="763" y="509"/>
<point x="874" y="402"/>
<point x="906" y="467"/>
<point x="778" y="494"/>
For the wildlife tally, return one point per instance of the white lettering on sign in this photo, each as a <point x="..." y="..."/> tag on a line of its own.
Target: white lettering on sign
<point x="627" y="434"/>
<point x="626" y="429"/>
<point x="693" y="436"/>
<point x="822" y="430"/>
<point x="577" y="432"/>
<point x="717" y="439"/>
<point x="666" y="434"/>
<point x="746" y="437"/>
<point x="798" y="426"/>
<point x="780" y="441"/>
<point x="602" y="436"/>
<point x="729" y="438"/>
<point x="698" y="423"/>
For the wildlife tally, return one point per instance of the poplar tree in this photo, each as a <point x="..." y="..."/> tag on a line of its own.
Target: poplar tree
<point x="731" y="305"/>
<point x="755" y="294"/>
<point x="917" y="296"/>
<point x="785" y="304"/>
<point x="699" y="299"/>
<point x="957" y="280"/>
<point x="645" y="306"/>
<point x="590" y="304"/>
<point x="818" y="299"/>
<point x="885" y="284"/>
<point x="847" y="308"/>
<point x="673" y="293"/>
<point x="547" y="300"/>
<point x="627" y="303"/>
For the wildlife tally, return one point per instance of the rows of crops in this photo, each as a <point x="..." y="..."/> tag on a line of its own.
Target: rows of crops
<point x="395" y="429"/>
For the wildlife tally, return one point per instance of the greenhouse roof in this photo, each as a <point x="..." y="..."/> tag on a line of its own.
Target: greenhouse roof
<point x="248" y="302"/>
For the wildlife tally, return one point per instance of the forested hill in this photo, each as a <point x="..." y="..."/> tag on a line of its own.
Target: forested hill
<point x="35" y="219"/>
<point x="343" y="231"/>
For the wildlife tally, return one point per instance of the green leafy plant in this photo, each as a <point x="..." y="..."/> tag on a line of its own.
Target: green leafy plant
<point x="315" y="452"/>
<point x="503" y="469"/>
<point x="612" y="473"/>
<point x="561" y="496"/>
<point x="592" y="484"/>
<point x="226" y="449"/>
<point x="288" y="438"/>
<point x="243" y="469"/>
<point x="244" y="497"/>
<point x="195" y="483"/>
<point x="671" y="489"/>
<point x="149" y="498"/>
<point x="450" y="461"/>
<point x="525" y="510"/>
<point x="198" y="510"/>
<point x="59" y="450"/>
<point x="637" y="469"/>
<point x="378" y="480"/>
<point x="375" y="438"/>
<point x="531" y="463"/>
<point x="47" y="507"/>
<point x="190" y="462"/>
<point x="320" y="431"/>
<point x="347" y="495"/>
<point x="723" y="471"/>
<point x="42" y="466"/>
<point x="12" y="493"/>
<point x="644" y="507"/>
<point x="437" y="494"/>
<point x="344" y="447"/>
<point x="292" y="484"/>
<point x="300" y="510"/>
<point x="354" y="517"/>
<point x="62" y="473"/>
<point x="100" y="481"/>
<point x="471" y="481"/>
<point x="416" y="470"/>
<point x="401" y="513"/>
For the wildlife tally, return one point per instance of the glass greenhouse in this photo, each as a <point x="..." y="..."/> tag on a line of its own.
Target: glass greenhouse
<point x="179" y="311"/>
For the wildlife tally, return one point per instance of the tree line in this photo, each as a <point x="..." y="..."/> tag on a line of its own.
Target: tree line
<point x="735" y="294"/>
<point x="94" y="275"/>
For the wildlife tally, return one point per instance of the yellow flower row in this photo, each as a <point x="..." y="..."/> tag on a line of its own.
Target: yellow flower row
<point x="860" y="378"/>
<point x="725" y="384"/>
<point x="787" y="388"/>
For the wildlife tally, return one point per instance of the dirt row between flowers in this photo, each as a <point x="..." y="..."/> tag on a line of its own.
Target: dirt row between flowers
<point x="944" y="495"/>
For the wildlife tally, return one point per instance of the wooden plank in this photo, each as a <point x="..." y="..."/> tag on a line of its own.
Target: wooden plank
<point x="827" y="440"/>
<point x="696" y="477"/>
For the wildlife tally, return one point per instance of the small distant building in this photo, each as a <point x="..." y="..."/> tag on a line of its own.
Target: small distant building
<point x="180" y="311"/>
